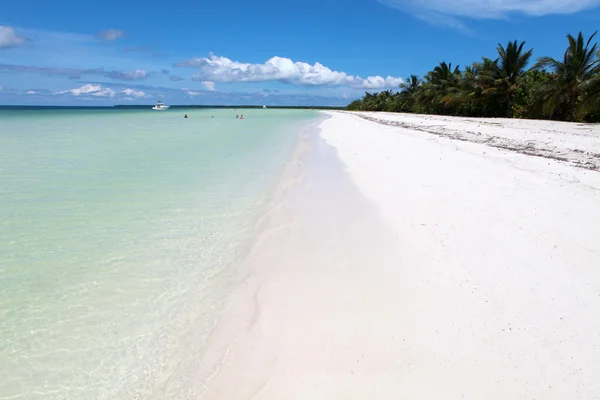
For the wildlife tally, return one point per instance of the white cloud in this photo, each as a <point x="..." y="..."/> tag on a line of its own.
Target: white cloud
<point x="10" y="38"/>
<point x="30" y="92"/>
<point x="192" y="93"/>
<point x="111" y="34"/>
<point x="92" y="90"/>
<point x="134" y="93"/>
<point x="446" y="12"/>
<point x="222" y="69"/>
<point x="209" y="85"/>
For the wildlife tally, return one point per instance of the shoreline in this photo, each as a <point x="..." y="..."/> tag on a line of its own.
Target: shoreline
<point x="239" y="312"/>
<point x="277" y="262"/>
<point x="405" y="265"/>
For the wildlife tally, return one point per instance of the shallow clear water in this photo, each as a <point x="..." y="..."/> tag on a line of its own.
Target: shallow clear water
<point x="120" y="232"/>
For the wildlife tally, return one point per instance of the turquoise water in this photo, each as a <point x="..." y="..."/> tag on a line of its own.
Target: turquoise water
<point x="120" y="233"/>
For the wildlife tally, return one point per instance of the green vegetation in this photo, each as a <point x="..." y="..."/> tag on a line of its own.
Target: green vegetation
<point x="566" y="89"/>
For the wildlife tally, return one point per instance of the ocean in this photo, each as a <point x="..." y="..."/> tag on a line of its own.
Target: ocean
<point x="121" y="235"/>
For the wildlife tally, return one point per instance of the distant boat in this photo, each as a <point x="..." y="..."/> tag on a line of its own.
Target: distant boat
<point x="264" y="106"/>
<point x="160" y="106"/>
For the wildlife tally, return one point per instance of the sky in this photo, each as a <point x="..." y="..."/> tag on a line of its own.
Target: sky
<point x="232" y="52"/>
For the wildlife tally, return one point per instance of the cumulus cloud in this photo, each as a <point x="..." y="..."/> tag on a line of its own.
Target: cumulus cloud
<point x="192" y="93"/>
<point x="209" y="85"/>
<point x="136" y="86"/>
<point x="134" y="93"/>
<point x="111" y="34"/>
<point x="176" y="78"/>
<point x="222" y="69"/>
<point x="31" y="92"/>
<point x="164" y="71"/>
<point x="91" y="90"/>
<point x="136" y="75"/>
<point x="10" y="38"/>
<point x="97" y="90"/>
<point x="450" y="13"/>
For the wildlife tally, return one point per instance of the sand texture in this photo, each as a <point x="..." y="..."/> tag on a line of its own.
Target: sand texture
<point x="403" y="264"/>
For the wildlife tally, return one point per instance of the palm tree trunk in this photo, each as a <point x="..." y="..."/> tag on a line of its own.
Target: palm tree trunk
<point x="572" y="105"/>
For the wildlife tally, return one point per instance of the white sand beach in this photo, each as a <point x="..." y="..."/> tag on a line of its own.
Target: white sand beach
<point x="405" y="264"/>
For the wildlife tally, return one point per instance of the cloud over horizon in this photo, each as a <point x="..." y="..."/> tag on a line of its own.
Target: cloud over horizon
<point x="10" y="38"/>
<point x="452" y="13"/>
<point x="111" y="34"/>
<point x="91" y="90"/>
<point x="107" y="94"/>
<point x="210" y="86"/>
<point x="75" y="68"/>
<point x="280" y="69"/>
<point x="136" y="75"/>
<point x="134" y="93"/>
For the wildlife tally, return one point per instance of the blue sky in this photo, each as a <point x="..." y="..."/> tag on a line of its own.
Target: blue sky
<point x="258" y="52"/>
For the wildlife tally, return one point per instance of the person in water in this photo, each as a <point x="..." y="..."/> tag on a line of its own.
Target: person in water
<point x="237" y="116"/>
<point x="242" y="117"/>
<point x="185" y="116"/>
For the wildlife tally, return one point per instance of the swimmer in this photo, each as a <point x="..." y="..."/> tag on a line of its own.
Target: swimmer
<point x="185" y="116"/>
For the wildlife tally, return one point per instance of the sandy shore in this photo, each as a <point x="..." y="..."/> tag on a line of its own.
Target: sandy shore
<point x="406" y="265"/>
<point x="575" y="144"/>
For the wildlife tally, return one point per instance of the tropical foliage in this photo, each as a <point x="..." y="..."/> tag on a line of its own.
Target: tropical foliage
<point x="567" y="89"/>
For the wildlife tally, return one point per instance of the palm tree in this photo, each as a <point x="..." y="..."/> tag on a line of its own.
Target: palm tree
<point x="472" y="87"/>
<point x="578" y="72"/>
<point x="386" y="101"/>
<point x="590" y="101"/>
<point x="411" y="85"/>
<point x="369" y="102"/>
<point x="462" y="90"/>
<point x="567" y="88"/>
<point x="511" y="67"/>
<point x="437" y="85"/>
<point x="409" y="91"/>
<point x="501" y="77"/>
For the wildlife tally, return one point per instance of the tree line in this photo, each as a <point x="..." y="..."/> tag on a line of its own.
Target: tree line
<point x="566" y="89"/>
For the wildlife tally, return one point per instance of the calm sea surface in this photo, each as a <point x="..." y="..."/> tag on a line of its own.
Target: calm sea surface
<point x="120" y="233"/>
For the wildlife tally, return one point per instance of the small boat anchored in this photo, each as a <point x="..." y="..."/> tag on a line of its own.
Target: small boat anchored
<point x="160" y="106"/>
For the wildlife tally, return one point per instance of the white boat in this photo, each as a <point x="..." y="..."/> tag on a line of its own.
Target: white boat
<point x="160" y="106"/>
<point x="264" y="106"/>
